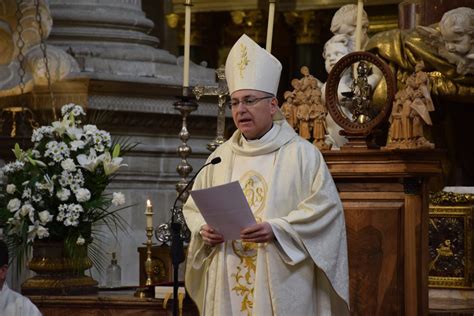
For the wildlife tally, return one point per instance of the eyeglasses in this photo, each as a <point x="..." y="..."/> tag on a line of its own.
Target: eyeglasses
<point x="234" y="103"/>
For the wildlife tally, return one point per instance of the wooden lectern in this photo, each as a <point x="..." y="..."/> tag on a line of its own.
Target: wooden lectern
<point x="385" y="199"/>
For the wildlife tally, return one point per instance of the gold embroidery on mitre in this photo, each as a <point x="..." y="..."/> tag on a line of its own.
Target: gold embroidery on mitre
<point x="244" y="61"/>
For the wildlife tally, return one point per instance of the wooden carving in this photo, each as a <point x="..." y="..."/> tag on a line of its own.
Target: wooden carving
<point x="410" y="113"/>
<point x="305" y="111"/>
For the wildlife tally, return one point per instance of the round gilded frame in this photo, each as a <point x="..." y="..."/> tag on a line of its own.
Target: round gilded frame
<point x="332" y="101"/>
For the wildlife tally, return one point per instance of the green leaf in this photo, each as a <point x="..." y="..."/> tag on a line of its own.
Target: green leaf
<point x="31" y="160"/>
<point x="116" y="151"/>
<point x="17" y="151"/>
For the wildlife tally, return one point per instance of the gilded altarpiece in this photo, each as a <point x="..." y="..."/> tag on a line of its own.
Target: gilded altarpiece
<point x="451" y="246"/>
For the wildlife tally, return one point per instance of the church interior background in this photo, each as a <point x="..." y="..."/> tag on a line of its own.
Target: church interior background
<point x="122" y="60"/>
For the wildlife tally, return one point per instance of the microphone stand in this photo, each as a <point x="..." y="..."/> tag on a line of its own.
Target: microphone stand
<point x="177" y="248"/>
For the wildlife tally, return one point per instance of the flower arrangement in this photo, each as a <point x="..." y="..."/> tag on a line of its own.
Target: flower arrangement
<point x="55" y="190"/>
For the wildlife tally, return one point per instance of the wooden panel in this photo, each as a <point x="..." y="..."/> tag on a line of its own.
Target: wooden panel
<point x="107" y="305"/>
<point x="374" y="243"/>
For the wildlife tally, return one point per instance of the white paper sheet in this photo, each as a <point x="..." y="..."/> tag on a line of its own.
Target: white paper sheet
<point x="225" y="208"/>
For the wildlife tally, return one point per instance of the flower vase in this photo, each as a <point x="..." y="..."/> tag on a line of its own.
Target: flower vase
<point x="57" y="273"/>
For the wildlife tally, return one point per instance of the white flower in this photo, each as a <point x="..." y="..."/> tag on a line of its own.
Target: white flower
<point x="63" y="194"/>
<point x="80" y="241"/>
<point x="111" y="165"/>
<point x="36" y="154"/>
<point x="75" y="208"/>
<point x="88" y="162"/>
<point x="83" y="195"/>
<point x="68" y="164"/>
<point x="26" y="193"/>
<point x="42" y="232"/>
<point x="48" y="184"/>
<point x="90" y="129"/>
<point x="13" y="167"/>
<point x="118" y="198"/>
<point x="37" y="230"/>
<point x="28" y="210"/>
<point x="15" y="225"/>
<point x="76" y="144"/>
<point x="75" y="109"/>
<point x="11" y="188"/>
<point x="45" y="217"/>
<point x="39" y="133"/>
<point x="74" y="132"/>
<point x="13" y="205"/>
<point x="61" y="126"/>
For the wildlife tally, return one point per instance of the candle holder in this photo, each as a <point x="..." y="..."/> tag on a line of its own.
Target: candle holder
<point x="148" y="263"/>
<point x="185" y="105"/>
<point x="148" y="289"/>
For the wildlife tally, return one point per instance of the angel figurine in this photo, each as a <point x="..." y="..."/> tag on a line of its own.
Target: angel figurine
<point x="454" y="39"/>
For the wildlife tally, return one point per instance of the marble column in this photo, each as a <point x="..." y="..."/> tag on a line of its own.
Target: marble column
<point x="109" y="40"/>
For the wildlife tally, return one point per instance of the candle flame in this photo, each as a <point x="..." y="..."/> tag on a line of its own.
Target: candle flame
<point x="148" y="203"/>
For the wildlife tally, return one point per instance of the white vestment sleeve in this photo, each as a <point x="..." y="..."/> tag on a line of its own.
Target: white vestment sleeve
<point x="291" y="249"/>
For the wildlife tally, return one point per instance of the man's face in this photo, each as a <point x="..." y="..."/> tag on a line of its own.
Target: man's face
<point x="253" y="120"/>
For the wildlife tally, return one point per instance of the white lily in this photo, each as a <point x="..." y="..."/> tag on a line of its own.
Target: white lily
<point x="89" y="162"/>
<point x="74" y="133"/>
<point x="48" y="184"/>
<point x="111" y="165"/>
<point x="37" y="230"/>
<point x="61" y="126"/>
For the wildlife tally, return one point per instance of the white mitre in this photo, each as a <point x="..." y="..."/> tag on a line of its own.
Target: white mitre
<point x="249" y="66"/>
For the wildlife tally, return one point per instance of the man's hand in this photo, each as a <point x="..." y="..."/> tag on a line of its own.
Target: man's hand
<point x="261" y="232"/>
<point x="210" y="236"/>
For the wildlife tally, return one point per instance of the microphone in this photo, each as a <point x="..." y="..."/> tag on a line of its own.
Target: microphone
<point x="214" y="161"/>
<point x="177" y="248"/>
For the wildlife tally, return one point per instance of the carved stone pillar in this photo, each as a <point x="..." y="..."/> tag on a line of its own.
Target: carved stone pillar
<point x="110" y="42"/>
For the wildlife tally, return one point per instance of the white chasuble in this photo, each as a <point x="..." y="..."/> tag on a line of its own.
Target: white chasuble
<point x="15" y="304"/>
<point x="304" y="270"/>
<point x="241" y="257"/>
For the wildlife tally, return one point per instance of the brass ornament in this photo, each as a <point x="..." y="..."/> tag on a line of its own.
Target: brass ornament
<point x="451" y="198"/>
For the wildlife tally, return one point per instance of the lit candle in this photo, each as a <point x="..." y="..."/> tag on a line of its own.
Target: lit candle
<point x="358" y="39"/>
<point x="187" y="41"/>
<point x="271" y="17"/>
<point x="149" y="214"/>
